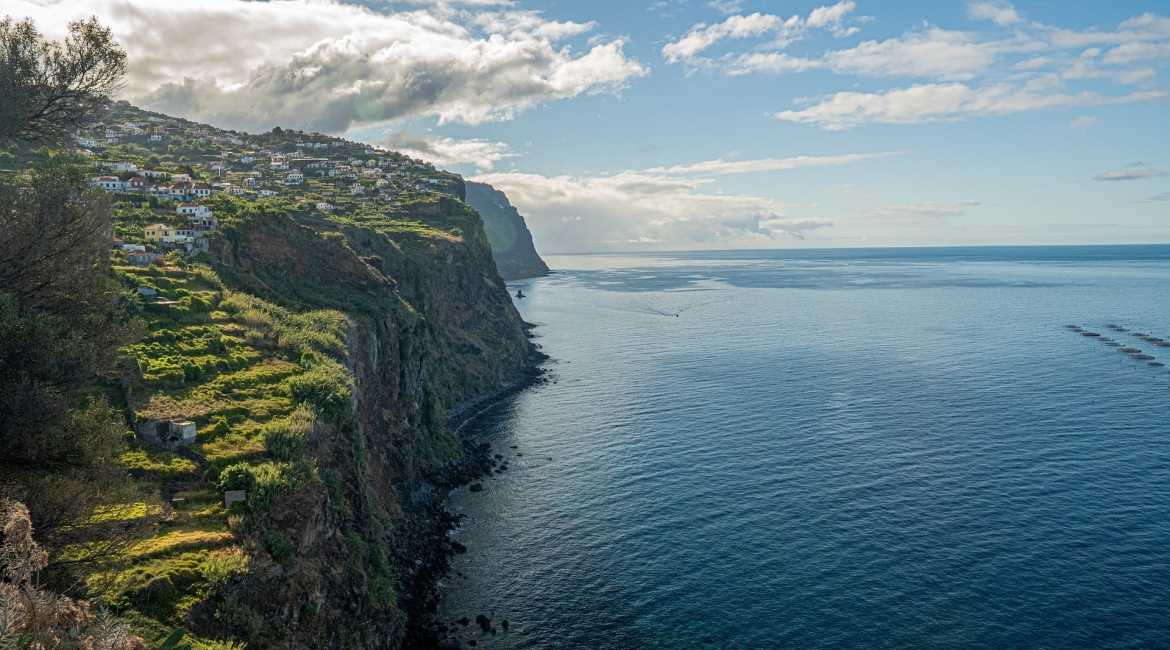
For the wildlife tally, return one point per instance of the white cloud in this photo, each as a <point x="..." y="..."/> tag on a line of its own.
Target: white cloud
<point x="1083" y="124"/>
<point x="917" y="211"/>
<point x="771" y="62"/>
<point x="726" y="7"/>
<point x="1119" y="175"/>
<point x="702" y="36"/>
<point x="442" y="151"/>
<point x="832" y="17"/>
<point x="936" y="53"/>
<point x="934" y="102"/>
<point x="785" y="31"/>
<point x="1128" y="52"/>
<point x="326" y="65"/>
<point x="1001" y="13"/>
<point x="1164" y="196"/>
<point x="575" y="214"/>
<point x="721" y="167"/>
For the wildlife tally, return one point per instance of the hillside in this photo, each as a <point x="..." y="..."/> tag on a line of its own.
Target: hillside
<point x="317" y="338"/>
<point x="511" y="242"/>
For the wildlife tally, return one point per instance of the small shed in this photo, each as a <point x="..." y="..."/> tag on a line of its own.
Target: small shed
<point x="234" y="496"/>
<point x="182" y="433"/>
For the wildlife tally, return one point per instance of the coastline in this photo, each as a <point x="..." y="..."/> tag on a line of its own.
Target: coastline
<point x="422" y="542"/>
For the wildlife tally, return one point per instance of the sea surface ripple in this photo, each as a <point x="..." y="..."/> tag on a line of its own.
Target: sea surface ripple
<point x="830" y="449"/>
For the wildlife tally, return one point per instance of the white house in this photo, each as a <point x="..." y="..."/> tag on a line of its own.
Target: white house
<point x="111" y="183"/>
<point x="324" y="207"/>
<point x="246" y="159"/>
<point x="293" y="177"/>
<point x="193" y="210"/>
<point x="267" y="193"/>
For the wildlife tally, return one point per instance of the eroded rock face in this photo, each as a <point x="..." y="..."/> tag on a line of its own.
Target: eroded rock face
<point x="511" y="242"/>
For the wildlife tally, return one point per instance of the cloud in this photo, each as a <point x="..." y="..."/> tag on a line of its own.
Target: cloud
<point x="726" y="7"/>
<point x="1128" y="52"/>
<point x="702" y="36"/>
<point x="1164" y="196"/>
<point x="1119" y="175"/>
<point x="1001" y="13"/>
<point x="721" y="167"/>
<point x="326" y="65"/>
<point x="771" y="62"/>
<point x="918" y="211"/>
<point x="935" y="53"/>
<point x="935" y="102"/>
<point x="578" y="214"/>
<point x="785" y="31"/>
<point x="442" y="151"/>
<point x="1083" y="123"/>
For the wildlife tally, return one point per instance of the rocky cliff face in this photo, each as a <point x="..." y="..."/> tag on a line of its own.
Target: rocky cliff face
<point x="431" y="327"/>
<point x="511" y="242"/>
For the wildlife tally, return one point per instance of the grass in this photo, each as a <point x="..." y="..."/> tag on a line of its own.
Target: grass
<point x="238" y="367"/>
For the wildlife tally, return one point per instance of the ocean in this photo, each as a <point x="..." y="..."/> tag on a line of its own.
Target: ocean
<point x="898" y="448"/>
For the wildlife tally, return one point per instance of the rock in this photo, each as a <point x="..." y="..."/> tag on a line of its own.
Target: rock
<point x="477" y="487"/>
<point x="498" y="457"/>
<point x="484" y="622"/>
<point x="519" y="455"/>
<point x="472" y="642"/>
<point x="504" y="467"/>
<point x="458" y="548"/>
<point x="493" y="631"/>
<point x="513" y="447"/>
<point x="504" y="624"/>
<point x="463" y="621"/>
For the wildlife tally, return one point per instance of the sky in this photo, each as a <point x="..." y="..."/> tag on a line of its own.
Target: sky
<point x="705" y="124"/>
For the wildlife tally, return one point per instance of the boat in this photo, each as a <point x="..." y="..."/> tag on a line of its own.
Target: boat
<point x="1089" y="334"/>
<point x="1104" y="338"/>
<point x="1138" y="334"/>
<point x="1152" y="339"/>
<point x="1162" y="344"/>
<point x="1156" y="364"/>
<point x="1141" y="357"/>
<point x="1113" y="344"/>
<point x="519" y="293"/>
<point x="1128" y="350"/>
<point x="1072" y="327"/>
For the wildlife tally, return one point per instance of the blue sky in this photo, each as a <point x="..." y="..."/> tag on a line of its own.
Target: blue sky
<point x="695" y="124"/>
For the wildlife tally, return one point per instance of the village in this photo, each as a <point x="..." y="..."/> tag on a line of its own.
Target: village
<point x="169" y="167"/>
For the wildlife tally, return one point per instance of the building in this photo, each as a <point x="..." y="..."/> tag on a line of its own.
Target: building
<point x="111" y="183"/>
<point x="141" y="258"/>
<point x="168" y="434"/>
<point x="293" y="177"/>
<point x="203" y="223"/>
<point x="136" y="184"/>
<point x="193" y="210"/>
<point x="324" y="207"/>
<point x="161" y="233"/>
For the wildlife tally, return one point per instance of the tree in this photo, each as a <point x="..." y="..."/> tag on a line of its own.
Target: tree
<point x="60" y="327"/>
<point x="50" y="91"/>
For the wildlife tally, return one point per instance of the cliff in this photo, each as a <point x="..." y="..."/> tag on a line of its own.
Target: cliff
<point x="511" y="242"/>
<point x="351" y="341"/>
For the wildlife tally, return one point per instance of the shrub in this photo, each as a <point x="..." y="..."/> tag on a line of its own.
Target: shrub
<point x="287" y="440"/>
<point x="265" y="483"/>
<point x="221" y="568"/>
<point x="278" y="546"/>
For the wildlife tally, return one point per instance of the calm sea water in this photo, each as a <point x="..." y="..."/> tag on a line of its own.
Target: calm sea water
<point x="835" y="449"/>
